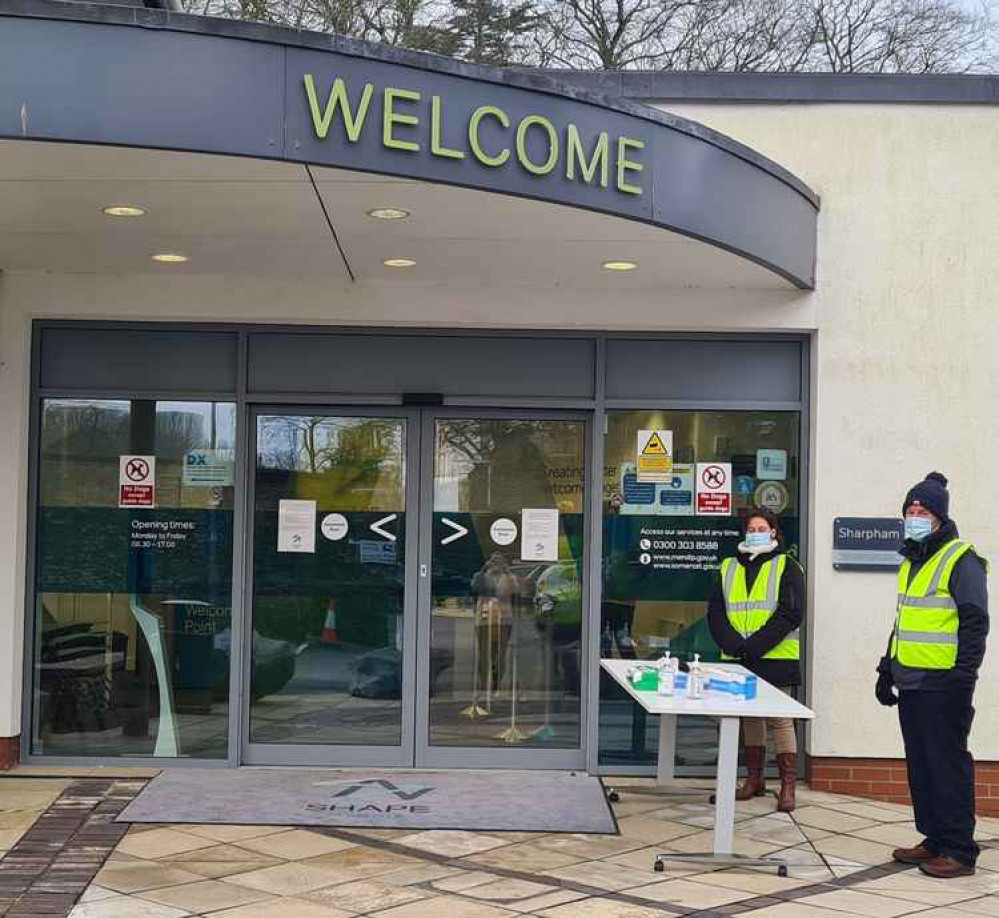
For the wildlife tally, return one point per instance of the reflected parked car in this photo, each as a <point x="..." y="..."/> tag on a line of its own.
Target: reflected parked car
<point x="273" y="664"/>
<point x="559" y="606"/>
<point x="559" y="594"/>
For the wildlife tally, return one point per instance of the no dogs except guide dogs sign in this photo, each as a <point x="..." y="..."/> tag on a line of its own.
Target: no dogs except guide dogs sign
<point x="714" y="488"/>
<point x="655" y="456"/>
<point x="137" y="481"/>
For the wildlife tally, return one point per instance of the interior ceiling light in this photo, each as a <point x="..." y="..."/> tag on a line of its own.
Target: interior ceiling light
<point x="620" y="266"/>
<point x="388" y="213"/>
<point x="169" y="258"/>
<point x="124" y="210"/>
<point x="398" y="262"/>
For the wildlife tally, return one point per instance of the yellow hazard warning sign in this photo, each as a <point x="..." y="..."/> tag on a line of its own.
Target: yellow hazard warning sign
<point x="655" y="446"/>
<point x="655" y="456"/>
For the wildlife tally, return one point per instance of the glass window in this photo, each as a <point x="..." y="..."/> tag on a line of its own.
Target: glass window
<point x="660" y="559"/>
<point x="133" y="578"/>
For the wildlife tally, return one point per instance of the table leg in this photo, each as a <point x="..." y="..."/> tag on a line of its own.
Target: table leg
<point x="667" y="750"/>
<point x="665" y="766"/>
<point x="722" y="854"/>
<point x="728" y="761"/>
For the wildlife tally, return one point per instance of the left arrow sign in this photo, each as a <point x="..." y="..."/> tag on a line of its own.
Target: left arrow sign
<point x="376" y="526"/>
<point x="459" y="531"/>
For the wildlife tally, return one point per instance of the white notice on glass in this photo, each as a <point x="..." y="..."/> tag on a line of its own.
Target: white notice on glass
<point x="297" y="526"/>
<point x="539" y="535"/>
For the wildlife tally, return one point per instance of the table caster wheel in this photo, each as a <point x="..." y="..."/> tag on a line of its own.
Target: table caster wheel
<point x="613" y="796"/>
<point x="659" y="867"/>
<point x="782" y="870"/>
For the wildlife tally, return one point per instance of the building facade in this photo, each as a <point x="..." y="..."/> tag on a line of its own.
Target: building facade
<point x="359" y="401"/>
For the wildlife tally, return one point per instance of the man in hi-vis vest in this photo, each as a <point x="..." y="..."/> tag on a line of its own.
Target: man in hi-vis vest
<point x="935" y="650"/>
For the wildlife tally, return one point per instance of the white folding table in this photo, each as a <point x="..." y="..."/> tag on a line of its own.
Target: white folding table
<point x="728" y="709"/>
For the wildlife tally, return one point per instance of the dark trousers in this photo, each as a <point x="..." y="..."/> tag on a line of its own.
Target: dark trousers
<point x="935" y="728"/>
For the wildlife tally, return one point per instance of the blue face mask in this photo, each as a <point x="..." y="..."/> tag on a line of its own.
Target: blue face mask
<point x="918" y="528"/>
<point x="758" y="539"/>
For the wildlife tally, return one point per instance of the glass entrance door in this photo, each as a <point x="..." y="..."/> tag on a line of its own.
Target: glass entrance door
<point x="417" y="589"/>
<point x="502" y="590"/>
<point x="333" y="620"/>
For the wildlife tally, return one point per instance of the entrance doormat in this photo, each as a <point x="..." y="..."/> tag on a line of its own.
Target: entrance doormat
<point x="521" y="801"/>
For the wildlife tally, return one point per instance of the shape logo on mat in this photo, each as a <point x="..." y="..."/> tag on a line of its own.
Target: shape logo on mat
<point x="373" y="793"/>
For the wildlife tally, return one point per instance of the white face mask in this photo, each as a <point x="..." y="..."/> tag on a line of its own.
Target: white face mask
<point x="758" y="539"/>
<point x="918" y="528"/>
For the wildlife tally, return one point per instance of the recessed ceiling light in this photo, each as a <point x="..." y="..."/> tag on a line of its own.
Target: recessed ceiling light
<point x="169" y="258"/>
<point x="398" y="262"/>
<point x="388" y="213"/>
<point x="124" y="210"/>
<point x="620" y="266"/>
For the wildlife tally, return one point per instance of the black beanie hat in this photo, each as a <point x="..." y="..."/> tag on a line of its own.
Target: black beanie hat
<point x="932" y="494"/>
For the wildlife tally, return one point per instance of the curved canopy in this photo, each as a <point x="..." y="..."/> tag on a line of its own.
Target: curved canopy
<point x="142" y="78"/>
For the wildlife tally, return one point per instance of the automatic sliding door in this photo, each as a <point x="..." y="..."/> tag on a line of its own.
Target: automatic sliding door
<point x="501" y="664"/>
<point x="329" y="680"/>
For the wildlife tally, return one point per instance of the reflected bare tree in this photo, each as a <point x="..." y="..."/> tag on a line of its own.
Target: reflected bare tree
<point x="357" y="452"/>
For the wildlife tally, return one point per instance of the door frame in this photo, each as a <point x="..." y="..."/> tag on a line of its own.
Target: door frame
<point x="493" y="756"/>
<point x="336" y="754"/>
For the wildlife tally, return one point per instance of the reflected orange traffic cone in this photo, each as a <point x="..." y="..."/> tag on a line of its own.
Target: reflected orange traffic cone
<point x="329" y="635"/>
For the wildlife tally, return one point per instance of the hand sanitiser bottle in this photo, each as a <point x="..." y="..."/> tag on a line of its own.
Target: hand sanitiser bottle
<point x="667" y="676"/>
<point x="695" y="678"/>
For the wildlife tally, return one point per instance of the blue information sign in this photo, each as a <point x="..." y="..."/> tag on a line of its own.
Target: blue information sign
<point x="637" y="492"/>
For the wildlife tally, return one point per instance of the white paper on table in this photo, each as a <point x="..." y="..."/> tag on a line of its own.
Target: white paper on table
<point x="539" y="535"/>
<point x="297" y="526"/>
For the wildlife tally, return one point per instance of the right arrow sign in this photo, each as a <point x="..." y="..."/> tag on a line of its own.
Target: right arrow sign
<point x="459" y="531"/>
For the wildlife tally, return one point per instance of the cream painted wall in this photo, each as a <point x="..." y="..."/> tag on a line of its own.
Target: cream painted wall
<point x="905" y="362"/>
<point x="14" y="368"/>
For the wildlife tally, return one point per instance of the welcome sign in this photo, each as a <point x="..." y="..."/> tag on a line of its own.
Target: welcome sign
<point x="369" y="115"/>
<point x="413" y="122"/>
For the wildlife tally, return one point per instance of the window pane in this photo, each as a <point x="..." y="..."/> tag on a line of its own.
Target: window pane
<point x="328" y="623"/>
<point x="133" y="603"/>
<point x="506" y="628"/>
<point x="660" y="559"/>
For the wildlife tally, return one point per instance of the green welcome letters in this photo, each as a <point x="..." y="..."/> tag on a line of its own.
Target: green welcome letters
<point x="405" y="127"/>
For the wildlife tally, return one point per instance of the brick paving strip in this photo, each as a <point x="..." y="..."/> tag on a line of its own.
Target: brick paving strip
<point x="47" y="870"/>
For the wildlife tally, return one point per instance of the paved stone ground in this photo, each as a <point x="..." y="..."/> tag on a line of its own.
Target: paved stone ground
<point x="838" y="847"/>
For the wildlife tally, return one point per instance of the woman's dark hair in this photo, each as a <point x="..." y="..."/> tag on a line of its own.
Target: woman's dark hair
<point x="764" y="514"/>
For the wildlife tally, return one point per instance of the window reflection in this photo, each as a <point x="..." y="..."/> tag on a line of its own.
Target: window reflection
<point x="133" y="608"/>
<point x="328" y="624"/>
<point x="506" y="629"/>
<point x="646" y="607"/>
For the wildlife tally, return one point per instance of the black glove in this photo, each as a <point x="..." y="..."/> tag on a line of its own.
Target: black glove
<point x="738" y="651"/>
<point x="884" y="691"/>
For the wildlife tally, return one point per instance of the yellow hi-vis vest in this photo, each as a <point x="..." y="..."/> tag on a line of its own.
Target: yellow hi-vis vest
<point x="925" y="635"/>
<point x="750" y="610"/>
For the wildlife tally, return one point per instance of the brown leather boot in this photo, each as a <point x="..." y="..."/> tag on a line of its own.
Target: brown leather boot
<point x="787" y="765"/>
<point x="755" y="784"/>
<point x="946" y="868"/>
<point x="917" y="855"/>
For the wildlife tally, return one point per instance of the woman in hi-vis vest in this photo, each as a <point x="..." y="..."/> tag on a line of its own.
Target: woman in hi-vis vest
<point x="755" y="613"/>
